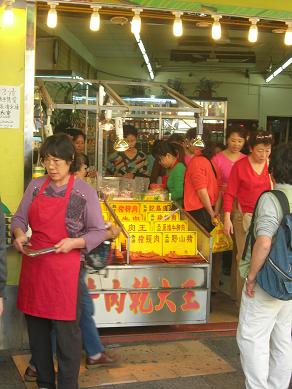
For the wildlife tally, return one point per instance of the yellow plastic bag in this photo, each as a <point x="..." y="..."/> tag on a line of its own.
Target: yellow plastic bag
<point x="221" y="241"/>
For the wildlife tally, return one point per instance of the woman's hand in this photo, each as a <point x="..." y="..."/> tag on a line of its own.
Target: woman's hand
<point x="129" y="175"/>
<point x="228" y="226"/>
<point x="114" y="232"/>
<point x="249" y="286"/>
<point x="68" y="244"/>
<point x="20" y="240"/>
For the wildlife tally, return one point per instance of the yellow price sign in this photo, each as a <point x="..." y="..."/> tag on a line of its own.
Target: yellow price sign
<point x="131" y="217"/>
<point x="177" y="226"/>
<point x="181" y="243"/>
<point x="157" y="216"/>
<point x="146" y="243"/>
<point x="139" y="226"/>
<point x="125" y="207"/>
<point x="158" y="206"/>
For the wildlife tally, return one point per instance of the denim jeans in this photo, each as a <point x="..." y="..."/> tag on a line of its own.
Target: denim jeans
<point x="90" y="335"/>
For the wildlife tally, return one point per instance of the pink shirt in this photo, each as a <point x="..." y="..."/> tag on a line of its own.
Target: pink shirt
<point x="224" y="165"/>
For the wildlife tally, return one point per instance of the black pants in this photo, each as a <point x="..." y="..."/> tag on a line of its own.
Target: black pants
<point x="203" y="217"/>
<point x="69" y="344"/>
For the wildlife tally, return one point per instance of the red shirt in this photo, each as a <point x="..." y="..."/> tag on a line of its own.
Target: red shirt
<point x="199" y="175"/>
<point x="245" y="184"/>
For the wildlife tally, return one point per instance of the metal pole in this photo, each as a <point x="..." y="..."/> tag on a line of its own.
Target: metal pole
<point x="86" y="119"/>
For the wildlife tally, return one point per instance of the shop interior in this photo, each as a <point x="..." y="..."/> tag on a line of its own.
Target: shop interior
<point x="210" y="84"/>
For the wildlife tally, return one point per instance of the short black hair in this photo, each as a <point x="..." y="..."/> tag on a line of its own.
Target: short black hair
<point x="260" y="137"/>
<point x="240" y="131"/>
<point x="128" y="129"/>
<point x="60" y="146"/>
<point x="281" y="163"/>
<point x="176" y="138"/>
<point x="75" y="133"/>
<point x="191" y="133"/>
<point x="175" y="149"/>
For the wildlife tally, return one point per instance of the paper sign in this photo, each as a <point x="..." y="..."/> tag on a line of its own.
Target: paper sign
<point x="130" y="217"/>
<point x="179" y="226"/>
<point x="158" y="206"/>
<point x="125" y="206"/>
<point x="146" y="243"/>
<point x="157" y="216"/>
<point x="9" y="106"/>
<point x="137" y="226"/>
<point x="183" y="243"/>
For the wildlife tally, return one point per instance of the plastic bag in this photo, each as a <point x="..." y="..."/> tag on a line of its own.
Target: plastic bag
<point x="221" y="241"/>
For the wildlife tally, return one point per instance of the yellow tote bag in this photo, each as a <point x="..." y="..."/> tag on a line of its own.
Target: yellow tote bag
<point x="221" y="241"/>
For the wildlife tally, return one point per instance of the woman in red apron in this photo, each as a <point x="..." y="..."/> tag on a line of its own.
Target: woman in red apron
<point x="48" y="286"/>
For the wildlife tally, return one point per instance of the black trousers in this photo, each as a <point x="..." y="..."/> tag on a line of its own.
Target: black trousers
<point x="69" y="345"/>
<point x="203" y="217"/>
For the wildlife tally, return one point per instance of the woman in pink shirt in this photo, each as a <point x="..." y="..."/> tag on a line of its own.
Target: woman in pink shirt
<point x="224" y="162"/>
<point x="249" y="177"/>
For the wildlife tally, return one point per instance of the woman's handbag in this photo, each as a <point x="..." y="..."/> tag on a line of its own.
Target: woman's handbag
<point x="221" y="241"/>
<point x="99" y="257"/>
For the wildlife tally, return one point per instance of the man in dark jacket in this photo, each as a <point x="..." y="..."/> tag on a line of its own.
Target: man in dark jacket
<point x="2" y="259"/>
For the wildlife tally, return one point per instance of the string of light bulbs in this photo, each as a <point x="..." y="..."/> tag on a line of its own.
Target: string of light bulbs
<point x="177" y="28"/>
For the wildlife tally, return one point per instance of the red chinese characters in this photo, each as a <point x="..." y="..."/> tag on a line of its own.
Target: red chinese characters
<point x="189" y="303"/>
<point x="141" y="301"/>
<point x="163" y="298"/>
<point x="116" y="300"/>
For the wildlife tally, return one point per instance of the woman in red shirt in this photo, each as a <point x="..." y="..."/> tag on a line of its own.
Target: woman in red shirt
<point x="249" y="177"/>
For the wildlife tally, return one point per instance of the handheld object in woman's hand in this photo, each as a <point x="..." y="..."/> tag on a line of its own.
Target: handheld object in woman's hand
<point x="34" y="253"/>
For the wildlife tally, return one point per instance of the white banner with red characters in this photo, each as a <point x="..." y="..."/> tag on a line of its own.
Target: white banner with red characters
<point x="148" y="296"/>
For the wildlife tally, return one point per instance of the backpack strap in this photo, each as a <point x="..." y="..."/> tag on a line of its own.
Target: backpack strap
<point x="250" y="238"/>
<point x="283" y="200"/>
<point x="284" y="203"/>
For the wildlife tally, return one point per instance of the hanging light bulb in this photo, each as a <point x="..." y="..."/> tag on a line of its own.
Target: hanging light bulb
<point x="52" y="17"/>
<point x="216" y="27"/>
<point x="288" y="34"/>
<point x="8" y="15"/>
<point x="253" y="30"/>
<point x="198" y="142"/>
<point x="120" y="144"/>
<point x="95" y="19"/>
<point x="177" y="24"/>
<point x="136" y="21"/>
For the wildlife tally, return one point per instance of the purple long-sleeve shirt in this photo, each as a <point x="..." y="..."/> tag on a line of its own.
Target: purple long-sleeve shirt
<point x="83" y="216"/>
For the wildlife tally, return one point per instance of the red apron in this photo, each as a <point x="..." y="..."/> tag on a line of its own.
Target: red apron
<point x="48" y="284"/>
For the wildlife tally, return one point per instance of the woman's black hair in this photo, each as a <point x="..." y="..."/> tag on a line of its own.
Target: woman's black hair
<point x="260" y="137"/>
<point x="75" y="133"/>
<point x="176" y="138"/>
<point x="128" y="129"/>
<point x="281" y="163"/>
<point x="171" y="148"/>
<point x="240" y="131"/>
<point x="191" y="134"/>
<point x="60" y="146"/>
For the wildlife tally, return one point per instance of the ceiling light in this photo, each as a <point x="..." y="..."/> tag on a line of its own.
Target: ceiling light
<point x="279" y="69"/>
<point x="216" y="27"/>
<point x="95" y="19"/>
<point x="253" y="30"/>
<point x="8" y="15"/>
<point x="288" y="34"/>
<point x="136" y="21"/>
<point x="145" y="56"/>
<point x="52" y="15"/>
<point x="177" y="24"/>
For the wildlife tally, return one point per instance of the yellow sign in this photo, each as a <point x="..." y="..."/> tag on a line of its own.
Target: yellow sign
<point x="125" y="207"/>
<point x="139" y="226"/>
<point x="158" y="206"/>
<point x="130" y="217"/>
<point x="157" y="216"/>
<point x="179" y="226"/>
<point x="105" y="215"/>
<point x="146" y="242"/>
<point x="182" y="243"/>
